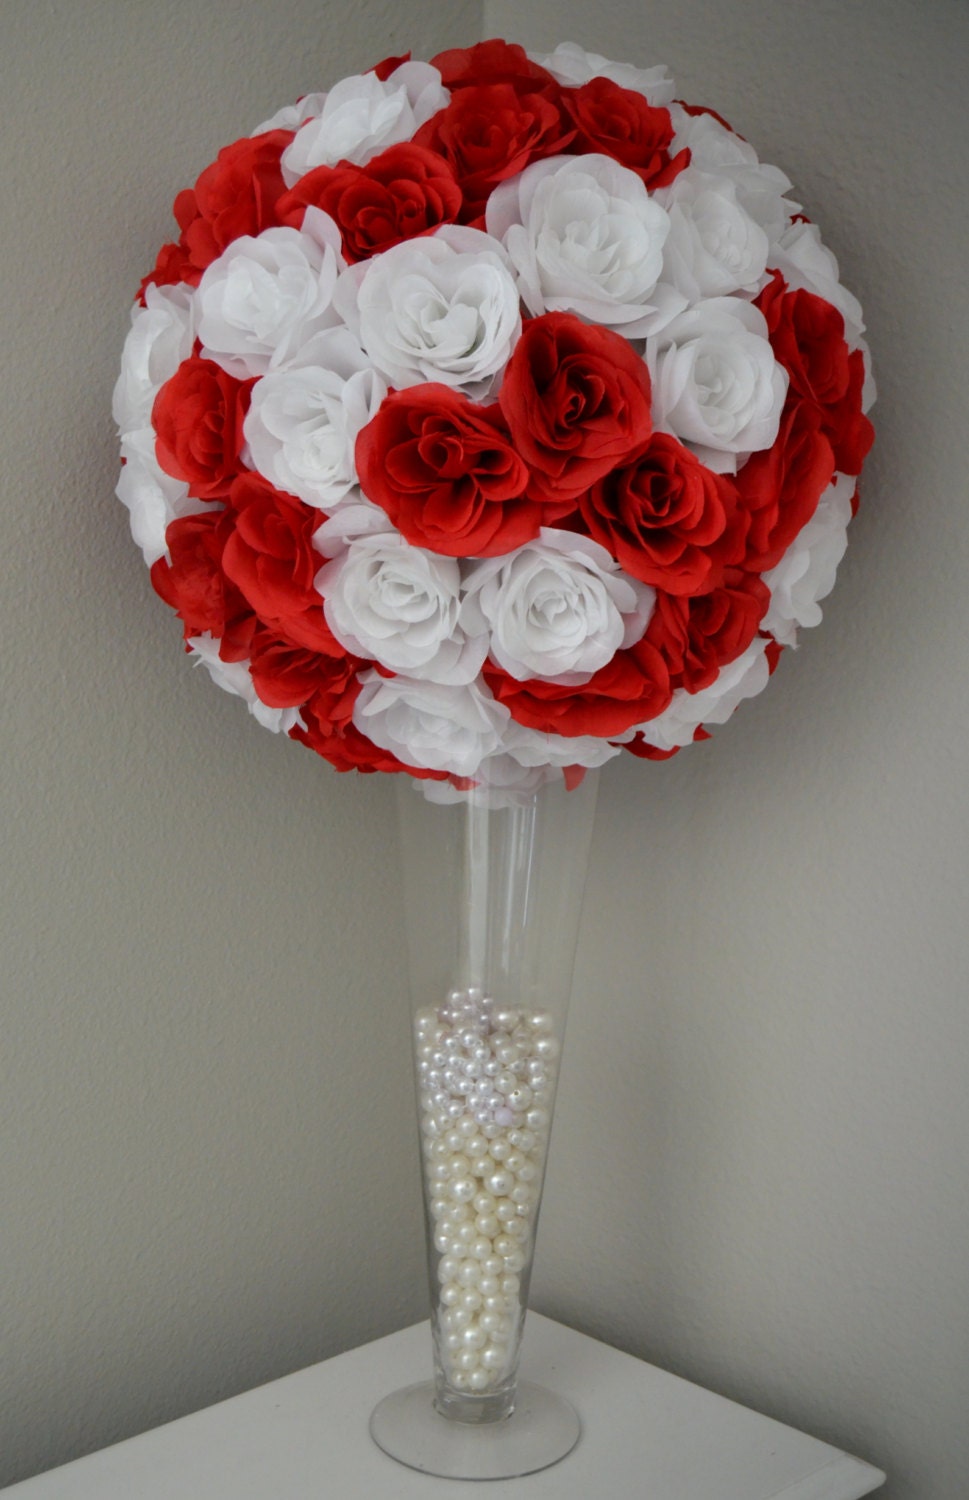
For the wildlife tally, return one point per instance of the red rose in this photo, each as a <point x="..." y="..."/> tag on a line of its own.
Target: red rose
<point x="780" y="487"/>
<point x="195" y="585"/>
<point x="577" y="402"/>
<point x="620" y="123"/>
<point x="235" y="195"/>
<point x="171" y="266"/>
<point x="490" y="132"/>
<point x="494" y="62"/>
<point x="699" y="636"/>
<point x="666" y="519"/>
<point x="807" y="337"/>
<point x="632" y="687"/>
<point x="402" y="192"/>
<point x="446" y="473"/>
<point x="198" y="417"/>
<point x="285" y="676"/>
<point x="270" y="558"/>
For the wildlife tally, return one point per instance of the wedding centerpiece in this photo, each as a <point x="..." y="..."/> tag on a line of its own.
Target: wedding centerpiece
<point x="487" y="419"/>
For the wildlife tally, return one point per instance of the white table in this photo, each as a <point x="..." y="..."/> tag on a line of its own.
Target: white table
<point x="644" y="1434"/>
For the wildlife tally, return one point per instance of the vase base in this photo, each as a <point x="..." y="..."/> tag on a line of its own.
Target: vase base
<point x="542" y="1429"/>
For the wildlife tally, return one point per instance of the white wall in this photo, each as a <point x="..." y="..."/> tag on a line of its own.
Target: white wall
<point x="203" y="1177"/>
<point x="759" y="1171"/>
<point x="759" y="1175"/>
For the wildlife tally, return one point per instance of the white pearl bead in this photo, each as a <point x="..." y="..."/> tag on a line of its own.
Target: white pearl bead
<point x="493" y="1358"/>
<point x="499" y="1149"/>
<point x="506" y="1211"/>
<point x="487" y="1224"/>
<point x="463" y="1189"/>
<point x="451" y="1294"/>
<point x="488" y="1286"/>
<point x="468" y="1360"/>
<point x="474" y="1338"/>
<point x="510" y="1285"/>
<point x="482" y="1249"/>
<point x="493" y="1265"/>
<point x="471" y="1299"/>
<point x="500" y="1183"/>
<point x="479" y="1380"/>
<point x="484" y="1203"/>
<point x="469" y="1273"/>
<point x="515" y="1261"/>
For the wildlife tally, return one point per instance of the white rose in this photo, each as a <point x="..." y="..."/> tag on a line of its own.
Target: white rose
<point x="806" y="264"/>
<point x="429" y="724"/>
<point x="806" y="572"/>
<point x="303" y="421"/>
<point x="713" y="148"/>
<point x="235" y="677"/>
<point x="572" y="66"/>
<point x="268" y="294"/>
<point x="160" y="337"/>
<point x="586" y="237"/>
<point x="292" y="116"/>
<point x="363" y="115"/>
<point x="716" y="383"/>
<point x="714" y="246"/>
<point x="153" y="498"/>
<point x="442" y="307"/>
<point x="399" y="605"/>
<point x="740" y="679"/>
<point x="533" y="747"/>
<point x="558" y="608"/>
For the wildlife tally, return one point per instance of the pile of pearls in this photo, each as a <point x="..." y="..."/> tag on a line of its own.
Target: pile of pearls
<point x="486" y="1082"/>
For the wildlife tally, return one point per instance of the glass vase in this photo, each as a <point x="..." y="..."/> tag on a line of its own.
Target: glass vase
<point x="493" y="889"/>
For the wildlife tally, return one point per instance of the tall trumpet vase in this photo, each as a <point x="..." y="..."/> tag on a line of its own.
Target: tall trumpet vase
<point x="493" y="892"/>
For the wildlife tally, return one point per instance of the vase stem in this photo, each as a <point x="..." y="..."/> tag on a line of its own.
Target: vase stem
<point x="494" y="895"/>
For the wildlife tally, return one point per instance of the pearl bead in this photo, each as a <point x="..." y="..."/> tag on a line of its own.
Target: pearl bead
<point x="494" y="1304"/>
<point x="500" y="1183"/>
<point x="522" y="1194"/>
<point x="481" y="1166"/>
<point x="504" y="1245"/>
<point x="507" y="1018"/>
<point x="506" y="1211"/>
<point x="465" y="1234"/>
<point x="537" y="1119"/>
<point x="493" y="1265"/>
<point x="474" y="1338"/>
<point x="499" y="1149"/>
<point x="487" y="1224"/>
<point x="469" y="1274"/>
<point x="471" y="1299"/>
<point x="442" y="1241"/>
<point x="479" y="1380"/>
<point x="452" y="1341"/>
<point x="493" y="1359"/>
<point x="448" y="1267"/>
<point x="515" y="1261"/>
<point x="450" y="1294"/>
<point x="481" y="1249"/>
<point x="527" y="1172"/>
<point x="490" y="1322"/>
<point x="485" y="1203"/>
<point x="488" y="1286"/>
<point x="463" y="1189"/>
<point x="467" y="1126"/>
<point x="468" y="1359"/>
<point x="505" y="1083"/>
<point x="510" y="1285"/>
